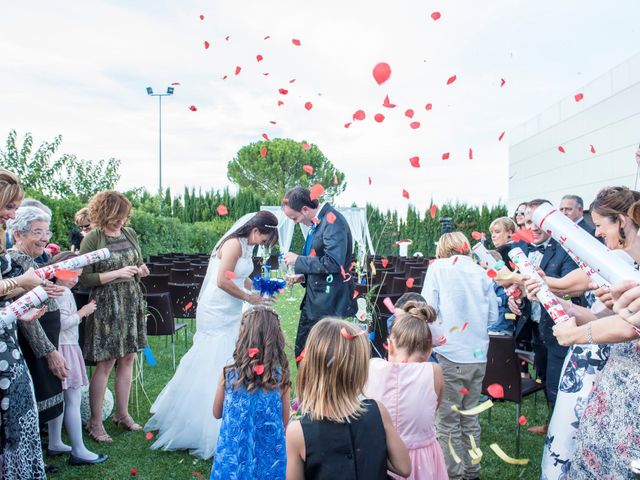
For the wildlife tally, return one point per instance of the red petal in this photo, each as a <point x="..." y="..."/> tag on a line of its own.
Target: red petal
<point x="477" y="235"/>
<point x="198" y="474"/>
<point x="524" y="235"/>
<point x="433" y="210"/>
<point x="259" y="58"/>
<point x="280" y="103"/>
<point x="238" y="69"/>
<point x="175" y="83"/>
<point x="301" y="356"/>
<point x="331" y="217"/>
<point x="502" y="82"/>
<point x="283" y="91"/>
<point x="593" y="149"/>
<point x="335" y="180"/>
<point x="522" y="420"/>
<point x="193" y="108"/>
<point x="348" y="336"/>
<point x="470" y="154"/>
<point x="227" y="38"/>
<point x="308" y="105"/>
<point x="415" y="162"/>
<point x="491" y="273"/>
<point x="381" y="72"/>
<point x="306" y="146"/>
<point x="225" y="77"/>
<point x="435" y="16"/>
<point x="263" y="152"/>
<point x="405" y="194"/>
<point x="561" y="149"/>
<point x="384" y="262"/>
<point x="578" y="97"/>
<point x="252" y="352"/>
<point x="258" y="369"/>
<point x="463" y="391"/>
<point x="230" y="275"/>
<point x="378" y="117"/>
<point x="410" y="282"/>
<point x="206" y="45"/>
<point x="292" y="80"/>
<point x="66" y="274"/>
<point x="148" y="435"/>
<point x="387" y="103"/>
<point x="188" y="306"/>
<point x="451" y="79"/>
<point x="369" y="180"/>
<point x="272" y="122"/>
<point x="389" y="304"/>
<point x="347" y="125"/>
<point x="414" y="125"/>
<point x="267" y="37"/>
<point x="495" y="390"/>
<point x="134" y="472"/>
<point x="201" y="17"/>
<point x="445" y="156"/>
<point x="266" y="137"/>
<point x="222" y="210"/>
<point x="409" y="113"/>
<point x="296" y="42"/>
<point x="308" y="169"/>
<point x="428" y="106"/>
<point x="359" y="115"/>
<point x="500" y="137"/>
<point x="316" y="191"/>
<point x="266" y="74"/>
<point x="355" y="294"/>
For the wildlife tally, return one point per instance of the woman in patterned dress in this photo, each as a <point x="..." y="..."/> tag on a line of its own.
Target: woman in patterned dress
<point x="118" y="328"/>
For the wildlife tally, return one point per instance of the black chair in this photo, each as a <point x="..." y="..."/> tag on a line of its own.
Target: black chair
<point x="181" y="275"/>
<point x="156" y="283"/>
<point x="184" y="299"/>
<point x="181" y="264"/>
<point x="161" y="267"/>
<point x="503" y="368"/>
<point x="199" y="268"/>
<point x="160" y="320"/>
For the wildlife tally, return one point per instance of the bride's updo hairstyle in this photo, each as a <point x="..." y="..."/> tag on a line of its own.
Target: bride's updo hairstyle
<point x="266" y="223"/>
<point x="410" y="331"/>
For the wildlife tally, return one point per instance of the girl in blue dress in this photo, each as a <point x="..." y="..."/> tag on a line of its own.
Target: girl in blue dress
<point x="253" y="401"/>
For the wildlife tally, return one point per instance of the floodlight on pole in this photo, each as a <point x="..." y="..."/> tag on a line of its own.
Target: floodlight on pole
<point x="160" y="95"/>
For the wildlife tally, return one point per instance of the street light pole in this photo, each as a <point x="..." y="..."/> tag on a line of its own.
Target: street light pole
<point x="160" y="95"/>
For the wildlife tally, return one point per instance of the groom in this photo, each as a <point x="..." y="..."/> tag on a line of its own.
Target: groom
<point x="324" y="263"/>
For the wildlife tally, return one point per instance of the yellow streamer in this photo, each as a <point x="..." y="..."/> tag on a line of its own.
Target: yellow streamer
<point x="454" y="455"/>
<point x="475" y="410"/>
<point x="373" y="269"/>
<point x="475" y="453"/>
<point x="506" y="458"/>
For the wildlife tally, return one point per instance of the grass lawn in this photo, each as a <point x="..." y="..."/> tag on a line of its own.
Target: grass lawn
<point x="130" y="450"/>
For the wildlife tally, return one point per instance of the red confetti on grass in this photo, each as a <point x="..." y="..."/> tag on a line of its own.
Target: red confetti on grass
<point x="296" y="42"/>
<point x="445" y="156"/>
<point x="415" y="162"/>
<point x="405" y="194"/>
<point x="410" y="282"/>
<point x="193" y="108"/>
<point x="463" y="391"/>
<point x="134" y="472"/>
<point x="500" y="137"/>
<point x="384" y="262"/>
<point x="522" y="420"/>
<point x="316" y="191"/>
<point x="148" y="435"/>
<point x="592" y="148"/>
<point x="524" y="235"/>
<point x="252" y="351"/>
<point x="308" y="105"/>
<point x="435" y="16"/>
<point x="578" y="97"/>
<point x="359" y="115"/>
<point x="331" y="217"/>
<point x="198" y="474"/>
<point x="258" y="369"/>
<point x="381" y="72"/>
<point x="561" y="149"/>
<point x="409" y="113"/>
<point x="222" y="210"/>
<point x="66" y="274"/>
<point x="188" y="306"/>
<point x="349" y="336"/>
<point x="387" y="103"/>
<point x="206" y="45"/>
<point x="263" y="152"/>
<point x="414" y="125"/>
<point x="308" y="169"/>
<point x="378" y="117"/>
<point x="259" y="58"/>
<point x="495" y="390"/>
<point x="451" y="79"/>
<point x="230" y="275"/>
<point x="433" y="210"/>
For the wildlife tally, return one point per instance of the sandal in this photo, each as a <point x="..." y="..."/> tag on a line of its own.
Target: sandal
<point x="98" y="433"/>
<point x="128" y="423"/>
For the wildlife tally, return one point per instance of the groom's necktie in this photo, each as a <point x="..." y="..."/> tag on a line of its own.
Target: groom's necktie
<point x="309" y="241"/>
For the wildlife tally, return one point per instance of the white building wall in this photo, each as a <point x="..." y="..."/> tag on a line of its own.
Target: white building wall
<point x="608" y="118"/>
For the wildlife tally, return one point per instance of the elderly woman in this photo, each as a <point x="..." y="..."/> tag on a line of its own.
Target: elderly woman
<point x="463" y="297"/>
<point x="39" y="340"/>
<point x="118" y="328"/>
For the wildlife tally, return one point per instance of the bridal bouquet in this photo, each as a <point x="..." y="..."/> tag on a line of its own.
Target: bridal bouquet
<point x="268" y="286"/>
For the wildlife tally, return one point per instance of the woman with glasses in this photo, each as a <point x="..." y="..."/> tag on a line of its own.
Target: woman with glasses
<point x="118" y="328"/>
<point x="84" y="227"/>
<point x="39" y="340"/>
<point x="518" y="216"/>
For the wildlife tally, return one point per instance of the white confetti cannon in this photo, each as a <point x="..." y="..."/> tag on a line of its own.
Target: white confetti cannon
<point x="74" y="263"/>
<point x="580" y="244"/>
<point x="489" y="263"/>
<point x="26" y="302"/>
<point x="547" y="299"/>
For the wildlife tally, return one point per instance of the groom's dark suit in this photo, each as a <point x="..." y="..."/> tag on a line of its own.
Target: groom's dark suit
<point x="328" y="292"/>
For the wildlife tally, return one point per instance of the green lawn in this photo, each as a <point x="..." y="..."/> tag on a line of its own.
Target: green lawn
<point x="131" y="450"/>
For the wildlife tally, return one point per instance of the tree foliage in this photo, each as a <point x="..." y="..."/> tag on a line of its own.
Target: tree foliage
<point x="66" y="175"/>
<point x="282" y="168"/>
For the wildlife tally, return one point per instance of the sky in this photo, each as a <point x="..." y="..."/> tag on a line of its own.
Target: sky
<point x="80" y="69"/>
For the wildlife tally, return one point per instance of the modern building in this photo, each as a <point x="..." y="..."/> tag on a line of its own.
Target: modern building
<point x="599" y="133"/>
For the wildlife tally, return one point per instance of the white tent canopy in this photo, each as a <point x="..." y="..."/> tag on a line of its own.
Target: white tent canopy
<point x="356" y="218"/>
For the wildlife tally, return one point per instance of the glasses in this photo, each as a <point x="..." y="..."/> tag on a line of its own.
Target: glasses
<point x="41" y="233"/>
<point x="519" y="212"/>
<point x="85" y="227"/>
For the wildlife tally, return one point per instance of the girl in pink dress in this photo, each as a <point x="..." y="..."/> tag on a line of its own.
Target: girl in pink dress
<point x="410" y="388"/>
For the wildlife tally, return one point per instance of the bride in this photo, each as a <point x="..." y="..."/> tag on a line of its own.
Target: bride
<point x="182" y="413"/>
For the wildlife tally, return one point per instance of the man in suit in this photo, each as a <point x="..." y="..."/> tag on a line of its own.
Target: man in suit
<point x="544" y="253"/>
<point x="324" y="264"/>
<point x="573" y="207"/>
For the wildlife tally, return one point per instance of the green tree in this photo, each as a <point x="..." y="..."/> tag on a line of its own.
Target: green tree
<point x="282" y="168"/>
<point x="64" y="176"/>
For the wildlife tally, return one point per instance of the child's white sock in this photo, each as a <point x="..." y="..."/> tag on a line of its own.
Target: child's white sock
<point x="73" y="424"/>
<point x="54" y="428"/>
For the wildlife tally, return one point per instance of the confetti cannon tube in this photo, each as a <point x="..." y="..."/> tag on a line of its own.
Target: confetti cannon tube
<point x="589" y="250"/>
<point x="591" y="273"/>
<point x="26" y="302"/>
<point x="74" y="263"/>
<point x="488" y="262"/>
<point x="547" y="299"/>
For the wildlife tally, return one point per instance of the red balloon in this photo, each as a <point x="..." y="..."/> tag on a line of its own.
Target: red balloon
<point x="381" y="72"/>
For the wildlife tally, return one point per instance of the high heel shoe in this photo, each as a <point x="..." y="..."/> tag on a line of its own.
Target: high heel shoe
<point x="128" y="423"/>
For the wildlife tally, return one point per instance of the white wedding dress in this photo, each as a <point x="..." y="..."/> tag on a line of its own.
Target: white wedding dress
<point x="182" y="413"/>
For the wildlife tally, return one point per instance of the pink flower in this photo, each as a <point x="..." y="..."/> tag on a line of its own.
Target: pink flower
<point x="591" y="459"/>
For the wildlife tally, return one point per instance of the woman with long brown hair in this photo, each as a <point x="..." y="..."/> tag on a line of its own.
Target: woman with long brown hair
<point x="182" y="411"/>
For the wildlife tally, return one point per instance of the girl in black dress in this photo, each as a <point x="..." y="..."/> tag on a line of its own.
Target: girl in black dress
<point x="340" y="435"/>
